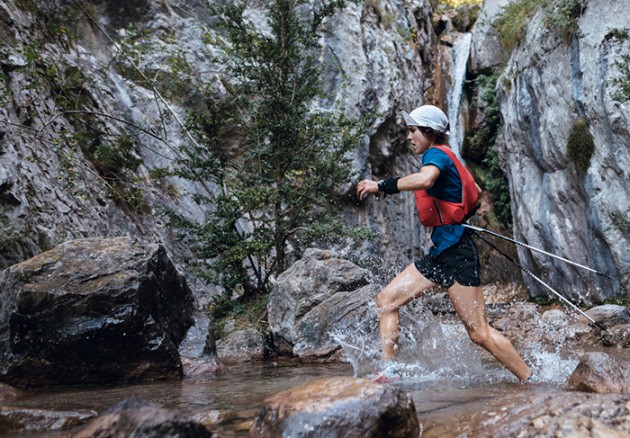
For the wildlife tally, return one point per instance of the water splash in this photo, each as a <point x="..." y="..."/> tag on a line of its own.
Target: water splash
<point x="432" y="349"/>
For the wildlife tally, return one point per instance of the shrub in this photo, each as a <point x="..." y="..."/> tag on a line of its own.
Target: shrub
<point x="580" y="145"/>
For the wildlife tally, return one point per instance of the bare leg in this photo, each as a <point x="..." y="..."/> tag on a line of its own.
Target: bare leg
<point x="407" y="285"/>
<point x="470" y="305"/>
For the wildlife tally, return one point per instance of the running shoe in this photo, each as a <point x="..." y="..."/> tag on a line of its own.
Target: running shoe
<point x="390" y="374"/>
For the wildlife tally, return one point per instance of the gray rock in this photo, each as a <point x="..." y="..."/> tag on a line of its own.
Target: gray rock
<point x="241" y="346"/>
<point x="547" y="84"/>
<point x="319" y="293"/>
<point x="93" y="310"/>
<point x="338" y="407"/>
<point x="599" y="372"/>
<point x="608" y="315"/>
<point x="542" y="415"/>
<point x="617" y="336"/>
<point x="556" y="318"/>
<point x="486" y="51"/>
<point x="141" y="419"/>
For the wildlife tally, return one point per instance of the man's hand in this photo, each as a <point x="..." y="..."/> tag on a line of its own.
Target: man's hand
<point x="366" y="186"/>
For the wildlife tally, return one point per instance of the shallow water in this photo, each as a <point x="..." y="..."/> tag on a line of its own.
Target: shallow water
<point x="447" y="376"/>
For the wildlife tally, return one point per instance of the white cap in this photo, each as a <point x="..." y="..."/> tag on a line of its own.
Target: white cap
<point x="428" y="116"/>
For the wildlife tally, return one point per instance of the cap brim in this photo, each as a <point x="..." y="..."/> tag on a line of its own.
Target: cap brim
<point x="408" y="120"/>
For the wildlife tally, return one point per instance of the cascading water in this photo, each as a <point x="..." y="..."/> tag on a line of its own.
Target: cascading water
<point x="460" y="52"/>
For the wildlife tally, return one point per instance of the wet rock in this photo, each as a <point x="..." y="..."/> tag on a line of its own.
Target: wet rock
<point x="319" y="294"/>
<point x="199" y="351"/>
<point x="141" y="419"/>
<point x="617" y="336"/>
<point x="18" y="419"/>
<point x="8" y="392"/>
<point x="556" y="318"/>
<point x="598" y="372"/>
<point x="609" y="315"/>
<point x="93" y="310"/>
<point x="241" y="346"/>
<point x="338" y="407"/>
<point x="542" y="415"/>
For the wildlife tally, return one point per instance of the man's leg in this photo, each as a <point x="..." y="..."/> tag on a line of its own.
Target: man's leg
<point x="470" y="305"/>
<point x="407" y="285"/>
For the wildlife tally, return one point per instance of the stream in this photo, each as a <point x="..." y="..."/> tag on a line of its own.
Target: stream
<point x="447" y="376"/>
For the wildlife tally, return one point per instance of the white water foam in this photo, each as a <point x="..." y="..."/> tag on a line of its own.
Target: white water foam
<point x="431" y="349"/>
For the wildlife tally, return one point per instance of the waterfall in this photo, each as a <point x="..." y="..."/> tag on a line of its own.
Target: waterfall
<point x="460" y="52"/>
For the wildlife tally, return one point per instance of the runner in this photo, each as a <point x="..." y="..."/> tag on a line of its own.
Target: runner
<point x="445" y="195"/>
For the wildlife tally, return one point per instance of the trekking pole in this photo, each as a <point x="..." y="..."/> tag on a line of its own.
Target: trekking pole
<point x="483" y="230"/>
<point x="531" y="274"/>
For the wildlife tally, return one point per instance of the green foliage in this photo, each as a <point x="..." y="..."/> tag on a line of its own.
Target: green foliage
<point x="279" y="195"/>
<point x="496" y="184"/>
<point x="560" y="16"/>
<point x="620" y="221"/>
<point x="493" y="176"/>
<point x="513" y="20"/>
<point x="621" y="300"/>
<point x="545" y="300"/>
<point x="623" y="81"/>
<point x="580" y="145"/>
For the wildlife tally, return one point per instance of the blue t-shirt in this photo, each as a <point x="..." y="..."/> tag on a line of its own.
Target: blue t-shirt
<point x="449" y="188"/>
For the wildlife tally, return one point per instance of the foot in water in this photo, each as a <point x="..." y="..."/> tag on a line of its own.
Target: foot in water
<point x="389" y="374"/>
<point x="531" y="379"/>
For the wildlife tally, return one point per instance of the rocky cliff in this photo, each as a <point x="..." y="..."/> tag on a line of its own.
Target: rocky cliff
<point x="94" y="96"/>
<point x="564" y="200"/>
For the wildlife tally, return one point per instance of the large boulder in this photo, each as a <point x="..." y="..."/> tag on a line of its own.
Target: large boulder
<point x="93" y="310"/>
<point x="338" y="407"/>
<point x="318" y="295"/>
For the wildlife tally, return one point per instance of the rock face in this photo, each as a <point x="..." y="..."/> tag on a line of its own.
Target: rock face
<point x="51" y="191"/>
<point x="547" y="85"/>
<point x="93" y="310"/>
<point x="137" y="418"/>
<point x="338" y="407"/>
<point x="319" y="294"/>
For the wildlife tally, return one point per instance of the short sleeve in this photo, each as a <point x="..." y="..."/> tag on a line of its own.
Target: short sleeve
<point x="436" y="158"/>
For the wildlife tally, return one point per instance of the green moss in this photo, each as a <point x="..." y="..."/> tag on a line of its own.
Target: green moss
<point x="580" y="145"/>
<point x="620" y="221"/>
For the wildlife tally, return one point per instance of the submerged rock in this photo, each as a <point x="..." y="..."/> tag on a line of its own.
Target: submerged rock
<point x="599" y="372"/>
<point x="19" y="419"/>
<point x="138" y="418"/>
<point x="338" y="407"/>
<point x="93" y="310"/>
<point x="617" y="336"/>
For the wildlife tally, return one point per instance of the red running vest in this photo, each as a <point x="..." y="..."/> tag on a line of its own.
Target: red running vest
<point x="434" y="211"/>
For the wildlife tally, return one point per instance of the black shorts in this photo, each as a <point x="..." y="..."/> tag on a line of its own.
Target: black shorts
<point x="458" y="263"/>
